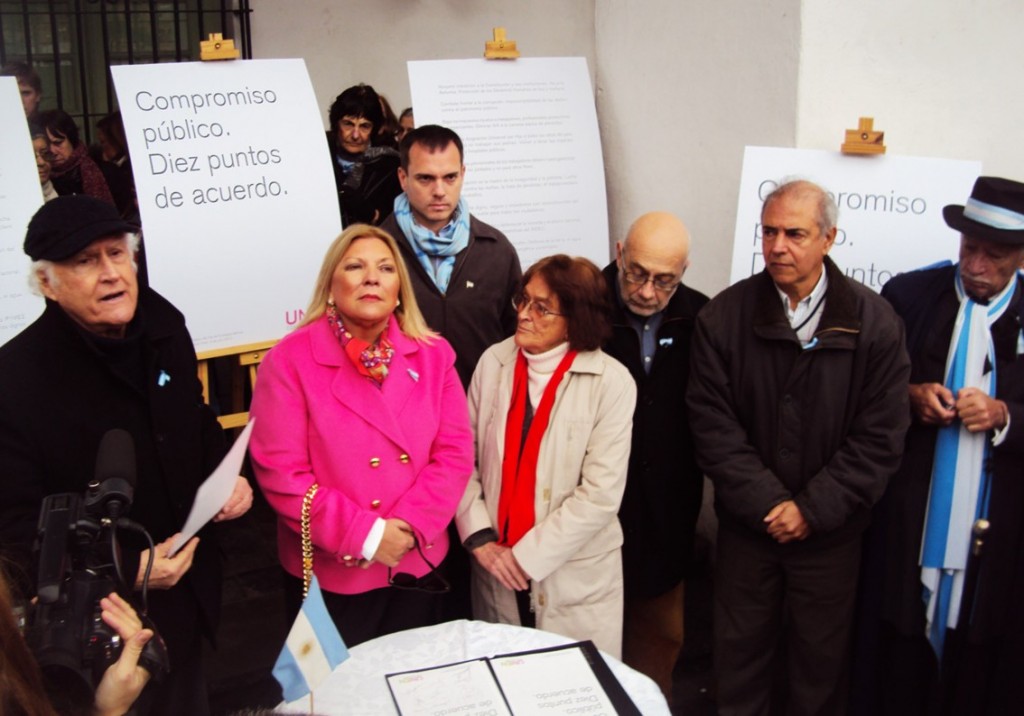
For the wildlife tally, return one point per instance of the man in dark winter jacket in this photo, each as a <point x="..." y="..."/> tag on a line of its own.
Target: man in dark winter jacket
<point x="106" y="354"/>
<point x="798" y="405"/>
<point x="942" y="625"/>
<point x="652" y="327"/>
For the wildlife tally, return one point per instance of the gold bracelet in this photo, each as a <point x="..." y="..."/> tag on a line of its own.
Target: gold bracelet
<point x="307" y="541"/>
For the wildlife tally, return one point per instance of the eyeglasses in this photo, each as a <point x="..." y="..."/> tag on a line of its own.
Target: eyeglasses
<point x="431" y="582"/>
<point x="538" y="310"/>
<point x="642" y="278"/>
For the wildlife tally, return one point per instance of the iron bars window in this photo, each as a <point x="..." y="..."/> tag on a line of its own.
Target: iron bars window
<point x="72" y="43"/>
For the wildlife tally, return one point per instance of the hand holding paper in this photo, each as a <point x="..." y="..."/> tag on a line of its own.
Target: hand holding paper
<point x="223" y="495"/>
<point x="239" y="502"/>
<point x="168" y="567"/>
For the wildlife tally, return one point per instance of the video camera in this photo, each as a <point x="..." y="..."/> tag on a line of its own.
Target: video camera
<point x="79" y="559"/>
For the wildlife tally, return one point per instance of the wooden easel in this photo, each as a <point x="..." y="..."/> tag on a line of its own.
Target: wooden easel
<point x="249" y="356"/>
<point x="248" y="360"/>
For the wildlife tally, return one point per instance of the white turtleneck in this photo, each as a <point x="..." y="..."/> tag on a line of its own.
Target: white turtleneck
<point x="540" y="367"/>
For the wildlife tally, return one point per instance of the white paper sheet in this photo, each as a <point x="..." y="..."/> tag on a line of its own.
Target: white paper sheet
<point x="235" y="188"/>
<point x="216" y="490"/>
<point x="20" y="197"/>
<point x="467" y="689"/>
<point x="551" y="683"/>
<point x="890" y="208"/>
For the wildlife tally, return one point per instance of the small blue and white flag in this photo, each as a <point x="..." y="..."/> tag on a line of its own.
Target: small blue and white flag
<point x="312" y="650"/>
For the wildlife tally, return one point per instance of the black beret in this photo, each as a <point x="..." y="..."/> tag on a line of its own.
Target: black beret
<point x="67" y="224"/>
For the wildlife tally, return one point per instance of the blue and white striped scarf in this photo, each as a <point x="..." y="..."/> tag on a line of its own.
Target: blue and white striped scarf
<point x="435" y="251"/>
<point x="960" y="481"/>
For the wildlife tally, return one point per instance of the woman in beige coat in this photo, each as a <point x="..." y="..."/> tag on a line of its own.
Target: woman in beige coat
<point x="552" y="416"/>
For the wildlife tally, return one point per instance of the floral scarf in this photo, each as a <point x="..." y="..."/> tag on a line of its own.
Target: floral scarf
<point x="371" y="360"/>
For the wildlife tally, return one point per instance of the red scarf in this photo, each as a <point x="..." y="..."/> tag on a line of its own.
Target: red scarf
<point x="519" y="467"/>
<point x="89" y="180"/>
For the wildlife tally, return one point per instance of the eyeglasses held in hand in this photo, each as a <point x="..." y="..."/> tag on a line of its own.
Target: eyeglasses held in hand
<point x="432" y="581"/>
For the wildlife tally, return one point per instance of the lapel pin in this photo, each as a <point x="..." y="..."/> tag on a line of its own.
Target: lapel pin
<point x="664" y="341"/>
<point x="470" y="284"/>
<point x="163" y="379"/>
<point x="414" y="375"/>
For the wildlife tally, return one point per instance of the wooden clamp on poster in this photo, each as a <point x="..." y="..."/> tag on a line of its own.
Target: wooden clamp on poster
<point x="217" y="48"/>
<point x="864" y="139"/>
<point x="500" y="48"/>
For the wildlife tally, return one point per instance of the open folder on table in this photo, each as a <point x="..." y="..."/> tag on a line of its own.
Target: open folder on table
<point x="569" y="679"/>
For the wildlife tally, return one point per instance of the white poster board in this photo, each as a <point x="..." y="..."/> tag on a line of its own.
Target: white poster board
<point x="890" y="208"/>
<point x="534" y="168"/>
<point x="20" y="197"/>
<point x="235" y="190"/>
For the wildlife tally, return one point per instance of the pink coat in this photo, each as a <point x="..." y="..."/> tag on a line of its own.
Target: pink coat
<point x="403" y="450"/>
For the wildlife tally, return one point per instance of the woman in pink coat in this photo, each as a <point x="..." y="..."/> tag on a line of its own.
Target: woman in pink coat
<point x="363" y="402"/>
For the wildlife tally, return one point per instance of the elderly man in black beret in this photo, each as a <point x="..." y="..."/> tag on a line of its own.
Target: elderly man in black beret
<point x="944" y="624"/>
<point x="108" y="354"/>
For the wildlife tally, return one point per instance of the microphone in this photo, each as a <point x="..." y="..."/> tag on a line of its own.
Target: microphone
<point x="110" y="493"/>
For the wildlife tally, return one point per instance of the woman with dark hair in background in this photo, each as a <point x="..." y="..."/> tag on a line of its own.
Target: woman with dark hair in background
<point x="72" y="171"/>
<point x="387" y="135"/>
<point x="553" y="418"/>
<point x="366" y="176"/>
<point x="41" y="147"/>
<point x="111" y="154"/>
<point x="406" y="123"/>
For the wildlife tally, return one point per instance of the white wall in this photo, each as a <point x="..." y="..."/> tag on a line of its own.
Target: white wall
<point x="683" y="85"/>
<point x="682" y="88"/>
<point x="345" y="42"/>
<point x="941" y="78"/>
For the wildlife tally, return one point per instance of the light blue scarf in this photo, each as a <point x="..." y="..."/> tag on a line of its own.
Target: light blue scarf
<point x="436" y="252"/>
<point x="960" y="481"/>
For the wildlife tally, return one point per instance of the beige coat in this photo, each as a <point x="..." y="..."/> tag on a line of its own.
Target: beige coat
<point x="573" y="552"/>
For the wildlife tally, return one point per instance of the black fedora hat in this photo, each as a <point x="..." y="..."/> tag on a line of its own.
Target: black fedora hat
<point x="67" y="224"/>
<point x="995" y="211"/>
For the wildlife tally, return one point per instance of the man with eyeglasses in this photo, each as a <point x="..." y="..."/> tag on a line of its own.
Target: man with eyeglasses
<point x="798" y="405"/>
<point x="652" y="325"/>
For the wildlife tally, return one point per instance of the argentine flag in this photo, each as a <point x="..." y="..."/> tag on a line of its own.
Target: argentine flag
<point x="312" y="650"/>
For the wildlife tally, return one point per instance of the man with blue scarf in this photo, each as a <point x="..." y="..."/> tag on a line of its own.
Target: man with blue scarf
<point x="944" y="623"/>
<point x="464" y="272"/>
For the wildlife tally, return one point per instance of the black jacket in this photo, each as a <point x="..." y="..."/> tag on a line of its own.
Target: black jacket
<point x="928" y="304"/>
<point x="367" y="194"/>
<point x="663" y="492"/>
<point x="476" y="312"/>
<point x="772" y="421"/>
<point x="59" y="395"/>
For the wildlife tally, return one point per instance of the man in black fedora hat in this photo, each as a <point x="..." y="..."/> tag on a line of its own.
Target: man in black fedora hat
<point x="942" y="599"/>
<point x="108" y="354"/>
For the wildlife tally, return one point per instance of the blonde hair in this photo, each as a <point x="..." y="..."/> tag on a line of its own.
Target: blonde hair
<point x="407" y="312"/>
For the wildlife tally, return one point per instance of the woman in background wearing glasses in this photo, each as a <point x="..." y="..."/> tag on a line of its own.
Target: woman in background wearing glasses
<point x="552" y="416"/>
<point x="363" y="401"/>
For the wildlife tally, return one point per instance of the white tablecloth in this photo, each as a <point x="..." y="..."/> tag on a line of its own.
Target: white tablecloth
<point x="358" y="686"/>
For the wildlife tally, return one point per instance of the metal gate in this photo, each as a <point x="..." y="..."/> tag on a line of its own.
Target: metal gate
<point x="72" y="43"/>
